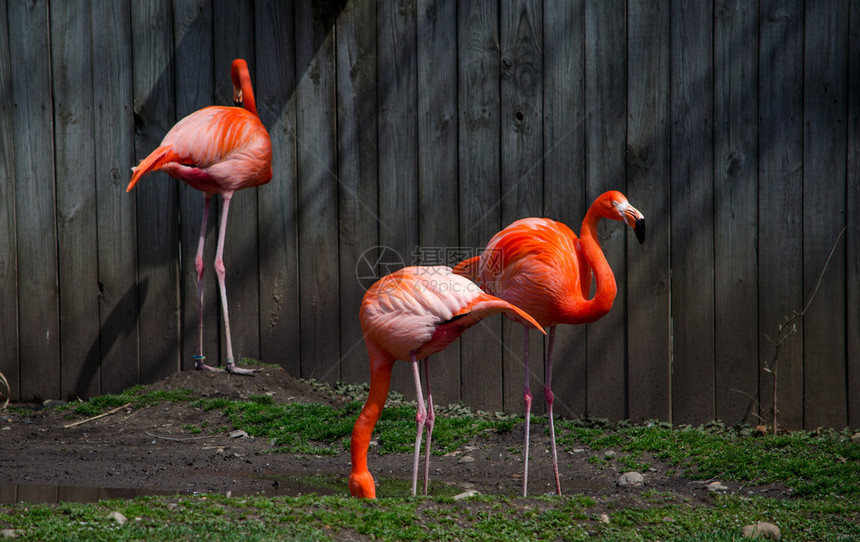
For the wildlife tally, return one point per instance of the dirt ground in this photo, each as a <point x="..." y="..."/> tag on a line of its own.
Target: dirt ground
<point x="152" y="450"/>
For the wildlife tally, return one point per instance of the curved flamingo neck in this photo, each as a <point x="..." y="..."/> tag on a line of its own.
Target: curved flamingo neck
<point x="360" y="480"/>
<point x="242" y="80"/>
<point x="604" y="296"/>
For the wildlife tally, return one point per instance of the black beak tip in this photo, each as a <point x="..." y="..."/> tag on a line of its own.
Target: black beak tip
<point x="639" y="230"/>
<point x="238" y="104"/>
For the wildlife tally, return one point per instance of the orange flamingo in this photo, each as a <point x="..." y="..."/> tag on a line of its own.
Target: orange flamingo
<point x="216" y="150"/>
<point x="409" y="315"/>
<point x="541" y="266"/>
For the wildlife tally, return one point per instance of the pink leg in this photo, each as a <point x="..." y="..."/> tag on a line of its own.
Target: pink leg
<point x="199" y="358"/>
<point x="421" y="418"/>
<point x="527" y="397"/>
<point x="547" y="392"/>
<point x="222" y="273"/>
<point x="431" y="417"/>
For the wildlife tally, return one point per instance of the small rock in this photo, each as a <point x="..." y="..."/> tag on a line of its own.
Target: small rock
<point x="609" y="453"/>
<point x="6" y="428"/>
<point x="466" y="494"/>
<point x="578" y="451"/>
<point x="856" y="437"/>
<point x="9" y="533"/>
<point x="762" y="529"/>
<point x="716" y="486"/>
<point x="631" y="479"/>
<point x="603" y="518"/>
<point x="238" y="433"/>
<point x="669" y="519"/>
<point x="48" y="403"/>
<point x="118" y="517"/>
<point x="466" y="459"/>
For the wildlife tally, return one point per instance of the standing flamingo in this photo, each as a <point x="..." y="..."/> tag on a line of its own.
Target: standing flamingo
<point x="409" y="315"/>
<point x="540" y="265"/>
<point x="216" y="150"/>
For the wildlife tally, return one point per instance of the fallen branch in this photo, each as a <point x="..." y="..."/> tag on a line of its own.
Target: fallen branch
<point x="102" y="415"/>
<point x="179" y="439"/>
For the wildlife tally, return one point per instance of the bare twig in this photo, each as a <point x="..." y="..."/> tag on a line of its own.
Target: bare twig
<point x="789" y="328"/>
<point x="179" y="439"/>
<point x="102" y="415"/>
<point x="8" y="393"/>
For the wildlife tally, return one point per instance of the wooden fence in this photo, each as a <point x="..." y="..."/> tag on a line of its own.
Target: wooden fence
<point x="411" y="131"/>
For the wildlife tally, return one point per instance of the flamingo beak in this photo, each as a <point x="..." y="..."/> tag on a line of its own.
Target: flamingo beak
<point x="237" y="97"/>
<point x="636" y="220"/>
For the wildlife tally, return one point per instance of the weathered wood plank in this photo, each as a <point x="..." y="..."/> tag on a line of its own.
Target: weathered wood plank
<point x="605" y="133"/>
<point x="157" y="196"/>
<point x="193" y="36"/>
<point x="852" y="235"/>
<point x="275" y="85"/>
<point x="824" y="173"/>
<point x="438" y="197"/>
<point x="8" y="242"/>
<point x="117" y="224"/>
<point x="479" y="182"/>
<point x="648" y="148"/>
<point x="780" y="203"/>
<point x="522" y="168"/>
<point x="241" y="245"/>
<point x="397" y="96"/>
<point x="74" y="152"/>
<point x="357" y="175"/>
<point x="735" y="209"/>
<point x="317" y="168"/>
<point x="38" y="296"/>
<point x="692" y="207"/>
<point x="564" y="173"/>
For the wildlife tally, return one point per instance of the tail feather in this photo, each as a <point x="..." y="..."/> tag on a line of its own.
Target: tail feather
<point x="487" y="305"/>
<point x="155" y="161"/>
<point x="468" y="268"/>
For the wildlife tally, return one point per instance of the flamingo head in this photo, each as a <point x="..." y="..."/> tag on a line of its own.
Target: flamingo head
<point x="238" y="70"/>
<point x="618" y="208"/>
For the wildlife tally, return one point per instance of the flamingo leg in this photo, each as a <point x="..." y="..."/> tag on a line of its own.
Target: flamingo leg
<point x="222" y="273"/>
<point x="421" y="418"/>
<point x="548" y="396"/>
<point x="527" y="398"/>
<point x="431" y="417"/>
<point x="199" y="358"/>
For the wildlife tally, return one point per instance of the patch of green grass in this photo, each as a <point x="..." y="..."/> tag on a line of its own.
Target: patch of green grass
<point x="811" y="464"/>
<point x="481" y="518"/>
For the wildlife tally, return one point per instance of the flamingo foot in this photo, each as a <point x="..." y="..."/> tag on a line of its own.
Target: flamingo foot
<point x="200" y="366"/>
<point x="234" y="369"/>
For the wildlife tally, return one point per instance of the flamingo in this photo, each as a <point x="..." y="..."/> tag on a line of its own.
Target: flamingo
<point x="540" y="265"/>
<point x="409" y="315"/>
<point x="216" y="150"/>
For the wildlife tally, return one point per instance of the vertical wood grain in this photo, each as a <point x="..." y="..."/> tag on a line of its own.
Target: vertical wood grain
<point x="317" y="181"/>
<point x="824" y="181"/>
<point x="564" y="173"/>
<point x="156" y="195"/>
<point x="521" y="168"/>
<point x="38" y="295"/>
<point x="479" y="183"/>
<point x="118" y="339"/>
<point x="648" y="151"/>
<point x="735" y="209"/>
<point x="358" y="209"/>
<point x="72" y="82"/>
<point x="605" y="93"/>
<point x="692" y="208"/>
<point x="8" y="241"/>
<point x="852" y="235"/>
<point x="438" y="212"/>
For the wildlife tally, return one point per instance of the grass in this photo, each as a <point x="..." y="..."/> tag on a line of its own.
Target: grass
<point x="820" y="468"/>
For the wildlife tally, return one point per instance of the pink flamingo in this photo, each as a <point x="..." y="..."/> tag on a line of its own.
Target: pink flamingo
<point x="540" y="265"/>
<point x="216" y="150"/>
<point x="409" y="315"/>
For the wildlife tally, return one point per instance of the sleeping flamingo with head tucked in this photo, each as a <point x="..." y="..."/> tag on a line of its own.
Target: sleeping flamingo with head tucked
<point x="409" y="315"/>
<point x="541" y="266"/>
<point x="216" y="150"/>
